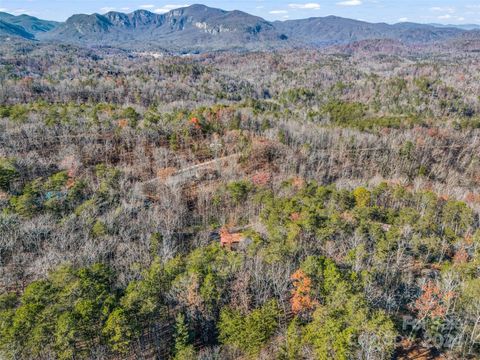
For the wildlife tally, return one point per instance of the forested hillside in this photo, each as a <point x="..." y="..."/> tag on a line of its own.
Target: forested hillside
<point x="291" y="205"/>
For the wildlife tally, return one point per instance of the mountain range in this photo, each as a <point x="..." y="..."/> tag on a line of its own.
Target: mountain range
<point x="198" y="28"/>
<point x="462" y="26"/>
<point x="24" y="25"/>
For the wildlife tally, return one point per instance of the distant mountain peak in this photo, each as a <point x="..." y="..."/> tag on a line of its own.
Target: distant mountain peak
<point x="200" y="7"/>
<point x="200" y="28"/>
<point x="29" y="25"/>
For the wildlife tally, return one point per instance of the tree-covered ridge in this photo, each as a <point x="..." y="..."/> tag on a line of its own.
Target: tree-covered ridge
<point x="277" y="290"/>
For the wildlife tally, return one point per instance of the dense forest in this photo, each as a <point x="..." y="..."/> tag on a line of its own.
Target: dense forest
<point x="314" y="204"/>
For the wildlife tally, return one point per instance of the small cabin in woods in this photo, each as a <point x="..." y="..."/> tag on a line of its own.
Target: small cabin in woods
<point x="231" y="238"/>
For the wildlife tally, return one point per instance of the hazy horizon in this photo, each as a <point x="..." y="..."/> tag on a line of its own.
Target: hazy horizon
<point x="440" y="12"/>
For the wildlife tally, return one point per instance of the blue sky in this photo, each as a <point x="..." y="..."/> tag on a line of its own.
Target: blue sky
<point x="391" y="11"/>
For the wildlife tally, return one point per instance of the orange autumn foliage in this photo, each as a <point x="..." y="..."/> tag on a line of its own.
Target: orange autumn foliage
<point x="196" y="123"/>
<point x="298" y="182"/>
<point x="70" y="183"/>
<point x="295" y="216"/>
<point x="122" y="123"/>
<point x="431" y="304"/>
<point x="262" y="178"/>
<point x="301" y="300"/>
<point x="472" y="198"/>
<point x="461" y="256"/>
